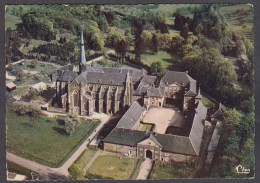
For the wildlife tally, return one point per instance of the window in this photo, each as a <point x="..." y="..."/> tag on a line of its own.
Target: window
<point x="130" y="152"/>
<point x="76" y="99"/>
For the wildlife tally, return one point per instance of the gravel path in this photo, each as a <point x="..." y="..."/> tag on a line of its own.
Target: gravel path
<point x="145" y="168"/>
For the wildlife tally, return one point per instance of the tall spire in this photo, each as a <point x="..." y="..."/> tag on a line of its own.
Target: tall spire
<point x="82" y="53"/>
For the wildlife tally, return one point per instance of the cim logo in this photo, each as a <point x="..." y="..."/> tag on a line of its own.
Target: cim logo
<point x="241" y="170"/>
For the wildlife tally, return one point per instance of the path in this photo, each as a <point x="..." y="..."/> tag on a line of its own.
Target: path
<point x="45" y="171"/>
<point x="91" y="161"/>
<point x="145" y="168"/>
<point x="27" y="60"/>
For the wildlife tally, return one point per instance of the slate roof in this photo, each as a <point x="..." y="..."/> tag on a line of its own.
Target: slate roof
<point x="148" y="80"/>
<point x="219" y="111"/>
<point x="136" y="75"/>
<point x="169" y="143"/>
<point x="154" y="92"/>
<point x="131" y="117"/>
<point x="102" y="78"/>
<point x="141" y="90"/>
<point x="181" y="78"/>
<point x="126" y="136"/>
<point x="198" y="127"/>
<point x="67" y="76"/>
<point x="176" y="144"/>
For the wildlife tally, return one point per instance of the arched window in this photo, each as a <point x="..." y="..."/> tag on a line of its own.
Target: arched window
<point x="76" y="99"/>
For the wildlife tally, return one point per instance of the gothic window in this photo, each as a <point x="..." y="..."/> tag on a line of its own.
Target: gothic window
<point x="76" y="99"/>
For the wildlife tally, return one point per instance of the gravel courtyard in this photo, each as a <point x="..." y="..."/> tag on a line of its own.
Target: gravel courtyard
<point x="164" y="117"/>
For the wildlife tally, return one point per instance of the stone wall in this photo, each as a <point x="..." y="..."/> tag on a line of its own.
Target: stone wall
<point x="121" y="149"/>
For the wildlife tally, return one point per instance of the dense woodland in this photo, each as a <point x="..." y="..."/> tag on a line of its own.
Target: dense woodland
<point x="205" y="38"/>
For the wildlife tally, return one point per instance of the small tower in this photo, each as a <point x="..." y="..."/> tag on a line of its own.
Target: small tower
<point x="82" y="63"/>
<point x="198" y="97"/>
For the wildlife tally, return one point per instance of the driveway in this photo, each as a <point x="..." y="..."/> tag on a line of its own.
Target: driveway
<point x="145" y="168"/>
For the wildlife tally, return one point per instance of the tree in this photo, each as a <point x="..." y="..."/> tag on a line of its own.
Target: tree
<point x="184" y="32"/>
<point x="121" y="48"/>
<point x="154" y="46"/>
<point x="32" y="112"/>
<point x="178" y="22"/>
<point x="156" y="68"/>
<point x="71" y="123"/>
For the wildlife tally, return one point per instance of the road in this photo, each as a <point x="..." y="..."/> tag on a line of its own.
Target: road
<point x="61" y="172"/>
<point x="45" y="171"/>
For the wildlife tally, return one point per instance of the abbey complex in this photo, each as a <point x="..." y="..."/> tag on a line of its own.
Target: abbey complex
<point x="94" y="88"/>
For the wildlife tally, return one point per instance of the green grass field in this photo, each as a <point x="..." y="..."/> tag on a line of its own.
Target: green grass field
<point x="111" y="167"/>
<point x="85" y="157"/>
<point x="163" y="56"/>
<point x="169" y="171"/>
<point x="45" y="142"/>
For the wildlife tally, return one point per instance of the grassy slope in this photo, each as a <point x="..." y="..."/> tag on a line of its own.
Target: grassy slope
<point x="234" y="23"/>
<point x="169" y="171"/>
<point x="122" y="168"/>
<point x="45" y="142"/>
<point x="11" y="21"/>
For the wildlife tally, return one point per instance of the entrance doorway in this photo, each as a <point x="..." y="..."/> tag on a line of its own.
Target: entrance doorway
<point x="149" y="154"/>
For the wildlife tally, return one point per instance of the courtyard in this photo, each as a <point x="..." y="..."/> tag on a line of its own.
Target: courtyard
<point x="162" y="118"/>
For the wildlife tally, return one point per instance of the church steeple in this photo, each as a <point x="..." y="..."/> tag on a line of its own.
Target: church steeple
<point x="83" y="62"/>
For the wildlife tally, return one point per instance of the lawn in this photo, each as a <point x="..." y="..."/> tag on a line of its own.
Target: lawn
<point x="112" y="167"/>
<point x="85" y="157"/>
<point x="147" y="127"/>
<point x="46" y="141"/>
<point x="166" y="58"/>
<point x="169" y="171"/>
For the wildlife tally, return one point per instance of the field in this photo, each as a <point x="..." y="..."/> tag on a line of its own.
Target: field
<point x="112" y="167"/>
<point x="169" y="171"/>
<point x="46" y="141"/>
<point x="166" y="59"/>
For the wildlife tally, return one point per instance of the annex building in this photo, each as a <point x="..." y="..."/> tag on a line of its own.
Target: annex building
<point x="111" y="90"/>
